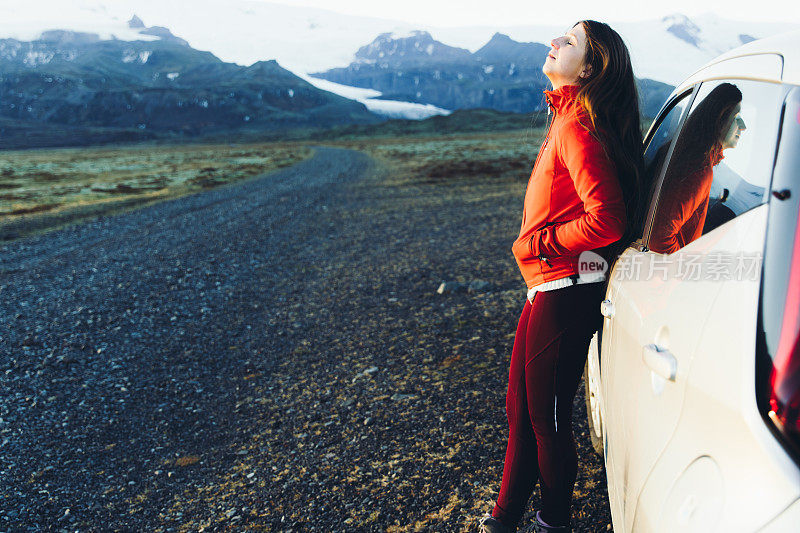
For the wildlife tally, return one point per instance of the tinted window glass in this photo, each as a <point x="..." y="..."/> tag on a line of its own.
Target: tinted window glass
<point x="659" y="143"/>
<point x="721" y="164"/>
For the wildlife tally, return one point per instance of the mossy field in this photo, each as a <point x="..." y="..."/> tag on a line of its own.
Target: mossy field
<point x="457" y="159"/>
<point x="42" y="189"/>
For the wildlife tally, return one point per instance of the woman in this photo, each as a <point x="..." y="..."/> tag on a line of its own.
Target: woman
<point x="582" y="195"/>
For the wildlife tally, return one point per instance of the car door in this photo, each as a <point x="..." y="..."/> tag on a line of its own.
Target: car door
<point x="617" y="407"/>
<point x="701" y="470"/>
<point x="664" y="292"/>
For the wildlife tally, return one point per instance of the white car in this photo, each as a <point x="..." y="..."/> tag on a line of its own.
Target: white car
<point x="693" y="380"/>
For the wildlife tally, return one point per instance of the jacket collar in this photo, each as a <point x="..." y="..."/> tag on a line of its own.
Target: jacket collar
<point x="560" y="98"/>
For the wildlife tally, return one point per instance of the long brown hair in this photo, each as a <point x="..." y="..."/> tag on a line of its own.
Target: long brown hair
<point x="611" y="99"/>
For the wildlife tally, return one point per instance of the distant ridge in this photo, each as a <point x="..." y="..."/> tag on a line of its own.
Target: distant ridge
<point x="504" y="74"/>
<point x="305" y="39"/>
<point x="85" y="89"/>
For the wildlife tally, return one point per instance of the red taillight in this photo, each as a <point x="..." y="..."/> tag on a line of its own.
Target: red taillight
<point x="778" y="333"/>
<point x="784" y="380"/>
<point x="784" y="404"/>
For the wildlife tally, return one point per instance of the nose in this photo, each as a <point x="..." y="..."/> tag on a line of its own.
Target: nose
<point x="555" y="44"/>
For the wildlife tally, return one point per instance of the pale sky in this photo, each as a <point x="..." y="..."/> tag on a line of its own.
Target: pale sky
<point x="527" y="12"/>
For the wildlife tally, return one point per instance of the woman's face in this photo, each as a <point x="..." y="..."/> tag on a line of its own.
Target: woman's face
<point x="730" y="136"/>
<point x="564" y="64"/>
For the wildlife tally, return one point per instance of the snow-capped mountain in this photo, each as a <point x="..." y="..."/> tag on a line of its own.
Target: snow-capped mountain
<point x="69" y="87"/>
<point x="505" y="75"/>
<point x="418" y="68"/>
<point x="311" y="40"/>
<point x="667" y="49"/>
<point x="418" y="48"/>
<point x="305" y="40"/>
<point x="240" y="31"/>
<point x="502" y="48"/>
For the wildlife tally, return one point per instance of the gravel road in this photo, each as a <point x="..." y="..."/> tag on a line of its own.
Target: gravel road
<point x="270" y="355"/>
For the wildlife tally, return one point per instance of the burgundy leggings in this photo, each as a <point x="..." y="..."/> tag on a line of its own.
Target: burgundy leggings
<point x="547" y="362"/>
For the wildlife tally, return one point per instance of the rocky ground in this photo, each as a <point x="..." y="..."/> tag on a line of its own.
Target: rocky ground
<point x="271" y="355"/>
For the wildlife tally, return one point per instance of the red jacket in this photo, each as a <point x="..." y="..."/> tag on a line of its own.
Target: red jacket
<point x="573" y="202"/>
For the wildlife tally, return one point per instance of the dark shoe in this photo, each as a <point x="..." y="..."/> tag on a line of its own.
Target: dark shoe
<point x="493" y="525"/>
<point x="540" y="527"/>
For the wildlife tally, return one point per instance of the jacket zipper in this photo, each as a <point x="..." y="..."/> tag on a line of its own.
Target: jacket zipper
<point x="546" y="138"/>
<point x="550" y="108"/>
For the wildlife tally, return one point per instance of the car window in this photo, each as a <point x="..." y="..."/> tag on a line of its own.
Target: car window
<point x="721" y="163"/>
<point x="659" y="141"/>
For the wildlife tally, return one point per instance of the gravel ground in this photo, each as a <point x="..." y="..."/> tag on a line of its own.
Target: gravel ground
<point x="268" y="356"/>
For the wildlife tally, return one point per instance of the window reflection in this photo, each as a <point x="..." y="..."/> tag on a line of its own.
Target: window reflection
<point x="715" y="125"/>
<point x="660" y="142"/>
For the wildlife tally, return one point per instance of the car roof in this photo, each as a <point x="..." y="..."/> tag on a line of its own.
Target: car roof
<point x="775" y="59"/>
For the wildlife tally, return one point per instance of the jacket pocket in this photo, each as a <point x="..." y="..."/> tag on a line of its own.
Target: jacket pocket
<point x="546" y="259"/>
<point x="522" y="248"/>
<point x="557" y="262"/>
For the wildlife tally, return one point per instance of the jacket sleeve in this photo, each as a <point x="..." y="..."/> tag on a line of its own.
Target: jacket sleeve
<point x="666" y="237"/>
<point x="597" y="185"/>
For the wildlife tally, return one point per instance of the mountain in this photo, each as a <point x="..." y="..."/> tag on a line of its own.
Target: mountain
<point x="502" y="48"/>
<point x="417" y="68"/>
<point x="504" y="74"/>
<point x="418" y="49"/>
<point x="304" y="39"/>
<point x="148" y="88"/>
<point x="687" y="31"/>
<point x="684" y="29"/>
<point x="240" y="31"/>
<point x="666" y="49"/>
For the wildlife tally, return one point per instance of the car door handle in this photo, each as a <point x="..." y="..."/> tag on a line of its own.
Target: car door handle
<point x="660" y="361"/>
<point x="607" y="308"/>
